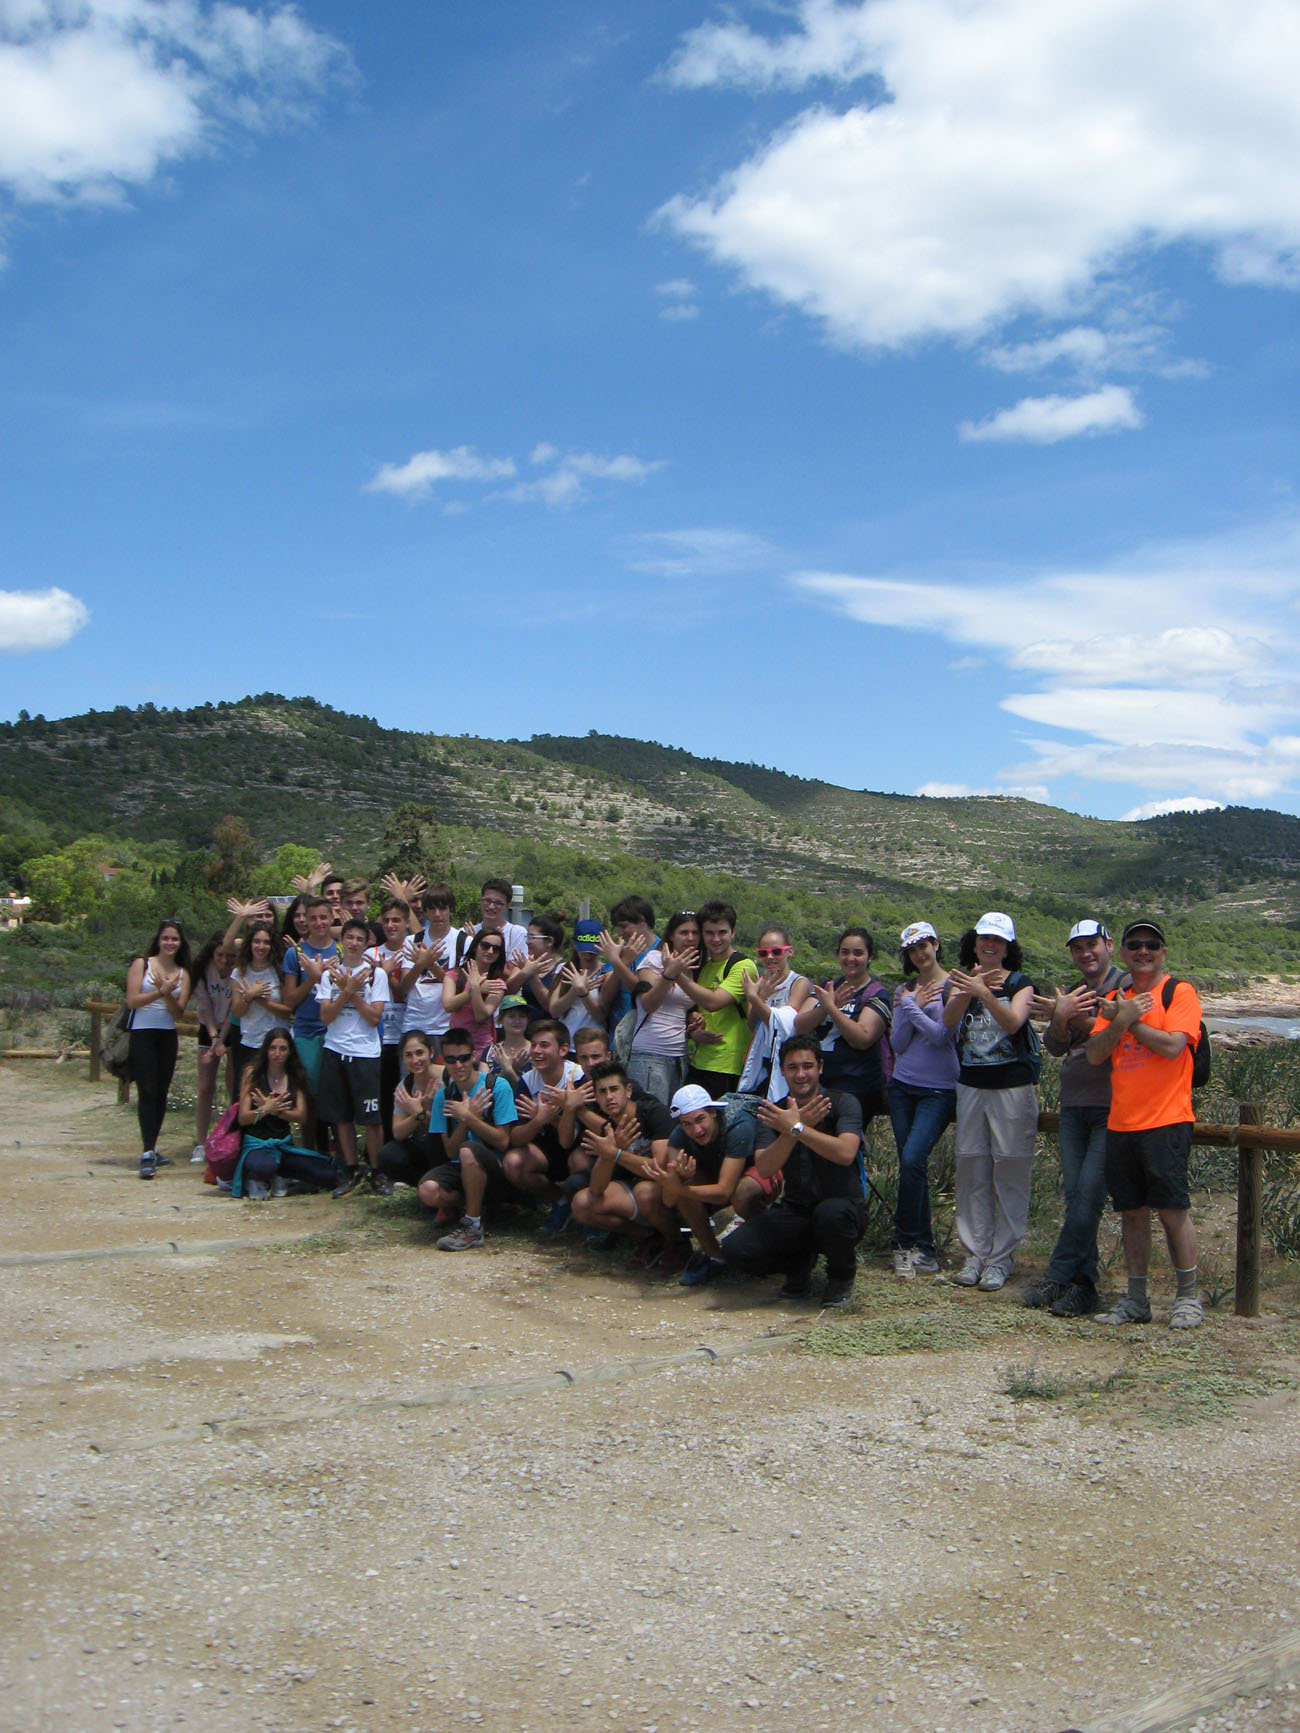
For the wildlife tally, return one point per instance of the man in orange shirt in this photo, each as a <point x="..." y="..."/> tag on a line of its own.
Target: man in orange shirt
<point x="1148" y="1046"/>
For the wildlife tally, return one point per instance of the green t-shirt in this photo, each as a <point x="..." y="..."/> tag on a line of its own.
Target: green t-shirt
<point x="730" y="1021"/>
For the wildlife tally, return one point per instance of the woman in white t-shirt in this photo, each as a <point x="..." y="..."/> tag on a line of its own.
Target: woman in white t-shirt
<point x="257" y="998"/>
<point x="658" y="1055"/>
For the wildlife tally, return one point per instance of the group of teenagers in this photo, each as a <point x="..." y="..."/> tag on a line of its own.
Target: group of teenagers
<point x="662" y="1088"/>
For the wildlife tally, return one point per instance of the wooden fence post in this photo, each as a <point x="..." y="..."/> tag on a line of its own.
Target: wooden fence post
<point x="96" y="1019"/>
<point x="1250" y="1218"/>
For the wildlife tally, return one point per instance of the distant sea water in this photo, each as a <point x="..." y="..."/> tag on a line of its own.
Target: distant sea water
<point x="1287" y="1027"/>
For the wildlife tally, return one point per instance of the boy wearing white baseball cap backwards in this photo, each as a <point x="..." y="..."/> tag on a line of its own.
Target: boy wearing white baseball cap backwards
<point x="1069" y="1287"/>
<point x="697" y="1168"/>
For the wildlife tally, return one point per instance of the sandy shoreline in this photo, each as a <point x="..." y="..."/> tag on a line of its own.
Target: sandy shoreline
<point x="1268" y="997"/>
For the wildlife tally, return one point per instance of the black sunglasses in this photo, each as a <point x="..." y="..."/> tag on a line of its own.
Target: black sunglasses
<point x="1144" y="945"/>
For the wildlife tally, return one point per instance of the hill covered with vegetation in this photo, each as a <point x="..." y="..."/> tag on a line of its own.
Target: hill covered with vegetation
<point x="104" y="815"/>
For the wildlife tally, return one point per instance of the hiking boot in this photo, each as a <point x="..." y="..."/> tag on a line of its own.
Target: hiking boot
<point x="924" y="1263"/>
<point x="382" y="1185"/>
<point x="993" y="1277"/>
<point x="838" y="1295"/>
<point x="558" y="1218"/>
<point x="1126" y="1311"/>
<point x="701" y="1269"/>
<point x="1076" y="1300"/>
<point x="463" y="1238"/>
<point x="354" y="1178"/>
<point x="969" y="1274"/>
<point x="148" y="1164"/>
<point x="903" y="1266"/>
<point x="1043" y="1291"/>
<point x="1188" y="1313"/>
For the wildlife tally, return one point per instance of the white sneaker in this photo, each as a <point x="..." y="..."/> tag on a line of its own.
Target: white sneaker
<point x="279" y="1186"/>
<point x="903" y="1264"/>
<point x="198" y="1156"/>
<point x="969" y="1274"/>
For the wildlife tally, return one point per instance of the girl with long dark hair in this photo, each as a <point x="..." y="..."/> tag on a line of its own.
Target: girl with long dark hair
<point x="157" y="992"/>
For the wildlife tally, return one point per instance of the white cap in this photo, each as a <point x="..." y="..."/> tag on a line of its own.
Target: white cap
<point x="1087" y="930"/>
<point x="915" y="933"/>
<point x="692" y="1098"/>
<point x="996" y="926"/>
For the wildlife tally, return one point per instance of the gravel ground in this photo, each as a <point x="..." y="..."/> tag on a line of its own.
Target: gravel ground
<point x="346" y="1486"/>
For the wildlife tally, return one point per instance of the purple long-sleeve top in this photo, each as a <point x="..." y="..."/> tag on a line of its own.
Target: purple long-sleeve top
<point x="925" y="1053"/>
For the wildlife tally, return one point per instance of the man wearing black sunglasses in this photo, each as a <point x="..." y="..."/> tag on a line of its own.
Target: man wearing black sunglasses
<point x="1147" y="1036"/>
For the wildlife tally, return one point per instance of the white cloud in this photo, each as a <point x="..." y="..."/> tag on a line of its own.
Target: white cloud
<point x="1047" y="420"/>
<point x="1025" y="153"/>
<point x="964" y="790"/>
<point x="679" y="289"/>
<point x="416" y="478"/>
<point x="695" y="553"/>
<point x="568" y="480"/>
<point x="39" y="619"/>
<point x="1180" y="803"/>
<point x="1211" y="702"/>
<point x="1199" y="653"/>
<point x="97" y="95"/>
<point x="678" y="311"/>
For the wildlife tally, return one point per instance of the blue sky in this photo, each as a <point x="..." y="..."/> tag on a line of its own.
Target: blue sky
<point x="901" y="393"/>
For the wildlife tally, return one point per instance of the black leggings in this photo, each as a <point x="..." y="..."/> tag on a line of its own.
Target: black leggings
<point x="153" y="1060"/>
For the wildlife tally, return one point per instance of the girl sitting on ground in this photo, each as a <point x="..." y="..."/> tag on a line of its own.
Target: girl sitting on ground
<point x="411" y="1151"/>
<point x="274" y="1097"/>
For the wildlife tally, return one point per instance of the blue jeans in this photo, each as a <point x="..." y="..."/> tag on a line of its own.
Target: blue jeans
<point x="919" y="1118"/>
<point x="1083" y="1172"/>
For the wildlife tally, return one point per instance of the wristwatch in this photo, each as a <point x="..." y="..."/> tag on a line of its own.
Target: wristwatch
<point x="796" y="1130"/>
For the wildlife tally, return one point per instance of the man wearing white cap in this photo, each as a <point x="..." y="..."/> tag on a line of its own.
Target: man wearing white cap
<point x="1069" y="1288"/>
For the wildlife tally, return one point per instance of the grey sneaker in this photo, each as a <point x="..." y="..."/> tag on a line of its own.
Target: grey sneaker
<point x="148" y="1164"/>
<point x="903" y="1266"/>
<point x="256" y="1191"/>
<point x="1126" y="1311"/>
<point x="279" y="1186"/>
<point x="924" y="1263"/>
<point x="462" y="1238"/>
<point x="969" y="1274"/>
<point x="1188" y="1314"/>
<point x="993" y="1277"/>
<point x="198" y="1155"/>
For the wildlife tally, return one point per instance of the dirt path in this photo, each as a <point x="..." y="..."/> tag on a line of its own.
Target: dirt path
<point x="355" y="1483"/>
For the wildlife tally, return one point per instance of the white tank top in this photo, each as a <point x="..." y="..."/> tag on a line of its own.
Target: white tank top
<point x="154" y="1015"/>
